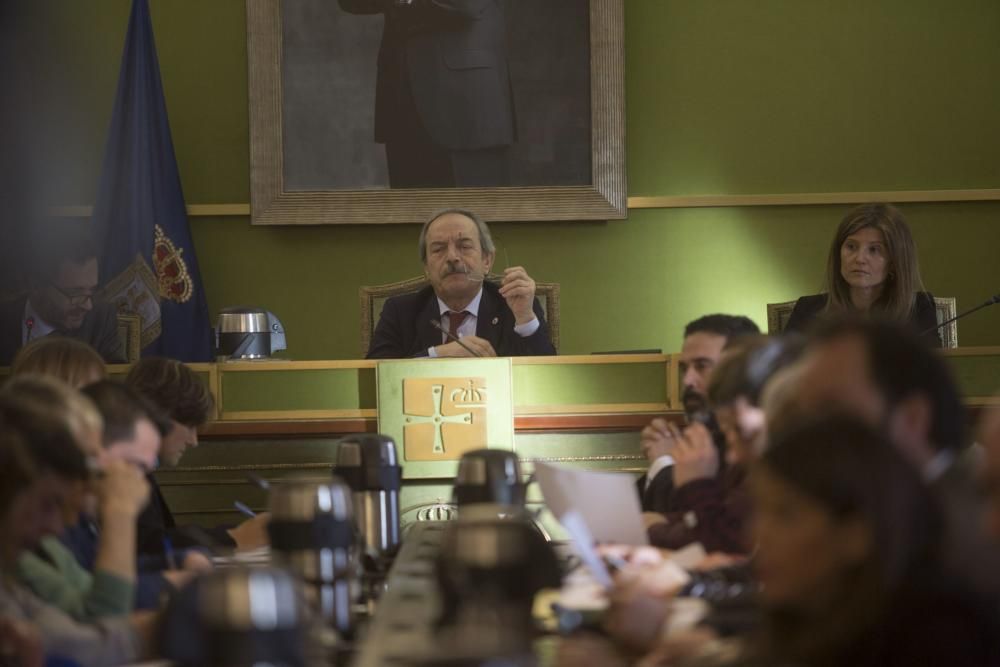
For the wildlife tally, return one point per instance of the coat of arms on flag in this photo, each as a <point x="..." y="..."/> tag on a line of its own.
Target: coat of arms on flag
<point x="134" y="291"/>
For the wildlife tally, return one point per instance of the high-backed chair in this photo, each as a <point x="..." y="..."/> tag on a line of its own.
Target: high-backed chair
<point x="946" y="308"/>
<point x="778" y="314"/>
<point x="373" y="297"/>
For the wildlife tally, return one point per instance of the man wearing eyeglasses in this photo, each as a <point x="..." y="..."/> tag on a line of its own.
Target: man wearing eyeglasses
<point x="61" y="298"/>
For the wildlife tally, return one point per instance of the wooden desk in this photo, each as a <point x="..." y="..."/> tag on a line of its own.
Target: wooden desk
<point x="282" y="419"/>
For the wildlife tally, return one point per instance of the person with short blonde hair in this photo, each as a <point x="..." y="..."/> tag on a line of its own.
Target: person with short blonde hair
<point x="67" y="405"/>
<point x="67" y="359"/>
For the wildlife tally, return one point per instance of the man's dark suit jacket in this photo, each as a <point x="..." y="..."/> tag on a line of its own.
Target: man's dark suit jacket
<point x="452" y="54"/>
<point x="404" y="330"/>
<point x="656" y="497"/>
<point x="155" y="528"/>
<point x="922" y="319"/>
<point x="99" y="330"/>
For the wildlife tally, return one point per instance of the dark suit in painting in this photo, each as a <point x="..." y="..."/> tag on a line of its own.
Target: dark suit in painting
<point x="443" y="102"/>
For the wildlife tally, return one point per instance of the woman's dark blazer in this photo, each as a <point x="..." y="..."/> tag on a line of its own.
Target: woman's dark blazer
<point x="923" y="318"/>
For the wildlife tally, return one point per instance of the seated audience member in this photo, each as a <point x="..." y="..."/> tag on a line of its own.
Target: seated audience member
<point x="707" y="507"/>
<point x="46" y="566"/>
<point x="873" y="270"/>
<point x="67" y="359"/>
<point x="132" y="432"/>
<point x="704" y="340"/>
<point x="847" y="539"/>
<point x="81" y="416"/>
<point x="62" y="298"/>
<point x="847" y="557"/>
<point x="37" y="458"/>
<point x="175" y="391"/>
<point x="492" y="319"/>
<point x="884" y="374"/>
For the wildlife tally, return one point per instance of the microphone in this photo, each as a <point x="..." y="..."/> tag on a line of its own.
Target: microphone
<point x="29" y="324"/>
<point x="989" y="302"/>
<point x="437" y="325"/>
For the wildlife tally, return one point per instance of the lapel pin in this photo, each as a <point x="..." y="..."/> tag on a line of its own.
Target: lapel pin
<point x="496" y="320"/>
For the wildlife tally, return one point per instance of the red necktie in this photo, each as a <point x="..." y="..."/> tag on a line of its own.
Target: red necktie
<point x="455" y="321"/>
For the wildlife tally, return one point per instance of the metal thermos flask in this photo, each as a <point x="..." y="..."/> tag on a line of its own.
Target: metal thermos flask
<point x="489" y="568"/>
<point x="238" y="617"/>
<point x="369" y="465"/>
<point x="312" y="535"/>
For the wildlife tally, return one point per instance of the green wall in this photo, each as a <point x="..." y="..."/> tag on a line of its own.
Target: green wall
<point x="723" y="97"/>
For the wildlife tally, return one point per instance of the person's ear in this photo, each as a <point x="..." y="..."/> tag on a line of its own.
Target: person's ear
<point x="488" y="258"/>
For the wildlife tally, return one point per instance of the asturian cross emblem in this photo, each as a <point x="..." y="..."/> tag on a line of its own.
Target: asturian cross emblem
<point x="443" y="417"/>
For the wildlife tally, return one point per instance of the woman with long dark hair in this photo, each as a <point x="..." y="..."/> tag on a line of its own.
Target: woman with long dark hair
<point x="873" y="270"/>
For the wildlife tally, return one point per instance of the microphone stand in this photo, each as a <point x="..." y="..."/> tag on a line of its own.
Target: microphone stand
<point x="437" y="325"/>
<point x="989" y="302"/>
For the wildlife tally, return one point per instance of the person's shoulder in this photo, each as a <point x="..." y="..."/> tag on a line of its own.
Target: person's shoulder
<point x="811" y="301"/>
<point x="805" y="310"/>
<point x="924" y="300"/>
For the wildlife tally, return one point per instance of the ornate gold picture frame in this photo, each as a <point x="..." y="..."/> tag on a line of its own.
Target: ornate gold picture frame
<point x="272" y="202"/>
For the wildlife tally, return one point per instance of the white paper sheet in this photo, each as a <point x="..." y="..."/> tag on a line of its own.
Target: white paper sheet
<point x="607" y="502"/>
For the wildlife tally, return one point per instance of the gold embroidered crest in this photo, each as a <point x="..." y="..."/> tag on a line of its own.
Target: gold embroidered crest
<point x="171" y="272"/>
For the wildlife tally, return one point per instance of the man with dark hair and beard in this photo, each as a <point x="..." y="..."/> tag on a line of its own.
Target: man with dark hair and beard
<point x="704" y="340"/>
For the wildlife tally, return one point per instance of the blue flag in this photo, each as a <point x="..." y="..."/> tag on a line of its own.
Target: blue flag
<point x="148" y="264"/>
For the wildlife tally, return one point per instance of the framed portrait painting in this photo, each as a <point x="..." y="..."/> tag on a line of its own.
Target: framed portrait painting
<point x="383" y="111"/>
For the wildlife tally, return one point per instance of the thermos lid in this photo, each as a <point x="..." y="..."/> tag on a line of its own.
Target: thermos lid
<point x="489" y="476"/>
<point x="482" y="466"/>
<point x="243" y="319"/>
<point x="366" y="450"/>
<point x="369" y="463"/>
<point x="304" y="501"/>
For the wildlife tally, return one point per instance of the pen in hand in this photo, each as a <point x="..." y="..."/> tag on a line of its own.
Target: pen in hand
<point x="168" y="552"/>
<point x="244" y="509"/>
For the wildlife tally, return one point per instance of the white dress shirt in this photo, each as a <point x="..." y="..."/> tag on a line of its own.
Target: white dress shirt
<point x="468" y="325"/>
<point x="39" y="327"/>
<point x="657" y="466"/>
